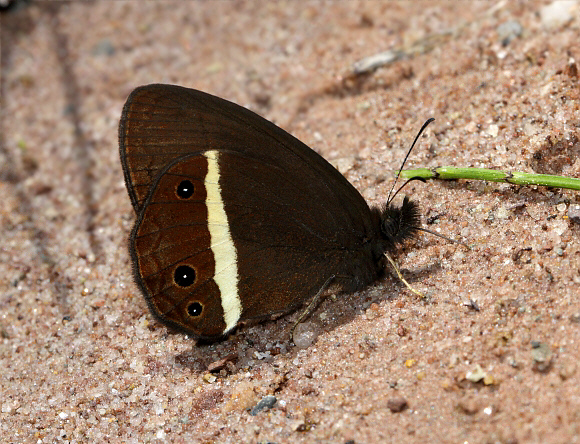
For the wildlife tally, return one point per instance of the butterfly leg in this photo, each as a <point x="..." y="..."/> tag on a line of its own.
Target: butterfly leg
<point x="313" y="303"/>
<point x="401" y="278"/>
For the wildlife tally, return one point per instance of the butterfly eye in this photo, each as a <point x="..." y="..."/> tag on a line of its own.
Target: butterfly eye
<point x="185" y="189"/>
<point x="194" y="309"/>
<point x="184" y="276"/>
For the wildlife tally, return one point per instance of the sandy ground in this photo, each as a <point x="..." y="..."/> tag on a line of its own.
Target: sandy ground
<point x="83" y="360"/>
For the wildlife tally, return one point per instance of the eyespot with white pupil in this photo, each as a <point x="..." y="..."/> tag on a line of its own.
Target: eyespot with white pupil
<point x="194" y="309"/>
<point x="185" y="189"/>
<point x="184" y="276"/>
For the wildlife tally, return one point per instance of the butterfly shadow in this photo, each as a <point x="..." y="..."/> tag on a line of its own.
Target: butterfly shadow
<point x="256" y="344"/>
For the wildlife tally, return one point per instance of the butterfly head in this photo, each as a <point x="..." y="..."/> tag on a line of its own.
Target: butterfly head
<point x="398" y="224"/>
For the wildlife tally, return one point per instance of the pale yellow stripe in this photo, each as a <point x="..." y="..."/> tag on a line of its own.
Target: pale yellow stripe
<point x="222" y="245"/>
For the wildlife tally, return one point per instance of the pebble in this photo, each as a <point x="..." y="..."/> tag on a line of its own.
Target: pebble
<point x="493" y="130"/>
<point x="502" y="213"/>
<point x="540" y="351"/>
<point x="266" y="402"/>
<point x="542" y="355"/>
<point x="557" y="13"/>
<point x="508" y="31"/>
<point x="209" y="378"/>
<point x="104" y="47"/>
<point x="469" y="405"/>
<point x="397" y="405"/>
<point x="369" y="64"/>
<point x="567" y="370"/>
<point x="344" y="164"/>
<point x="473" y="305"/>
<point x="476" y="374"/>
<point x="304" y="335"/>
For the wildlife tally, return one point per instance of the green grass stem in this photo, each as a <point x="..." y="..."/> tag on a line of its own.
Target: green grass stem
<point x="515" y="178"/>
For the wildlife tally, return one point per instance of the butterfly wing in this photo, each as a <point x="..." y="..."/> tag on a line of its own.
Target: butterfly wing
<point x="291" y="219"/>
<point x="160" y="123"/>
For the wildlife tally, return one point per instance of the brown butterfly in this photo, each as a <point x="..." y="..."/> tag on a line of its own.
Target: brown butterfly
<point x="236" y="218"/>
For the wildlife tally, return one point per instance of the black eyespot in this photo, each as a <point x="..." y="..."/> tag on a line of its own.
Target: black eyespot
<point x="184" y="276"/>
<point x="185" y="189"/>
<point x="194" y="309"/>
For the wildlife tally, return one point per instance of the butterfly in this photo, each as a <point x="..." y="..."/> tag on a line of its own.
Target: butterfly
<point x="237" y="220"/>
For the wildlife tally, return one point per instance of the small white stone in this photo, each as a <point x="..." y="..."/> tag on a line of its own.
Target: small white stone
<point x="502" y="213"/>
<point x="493" y="130"/>
<point x="558" y="13"/>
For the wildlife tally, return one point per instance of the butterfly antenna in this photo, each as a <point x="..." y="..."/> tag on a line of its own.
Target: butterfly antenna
<point x="405" y="184"/>
<point x="389" y="198"/>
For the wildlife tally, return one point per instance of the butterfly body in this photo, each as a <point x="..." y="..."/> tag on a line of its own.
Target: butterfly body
<point x="237" y="219"/>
